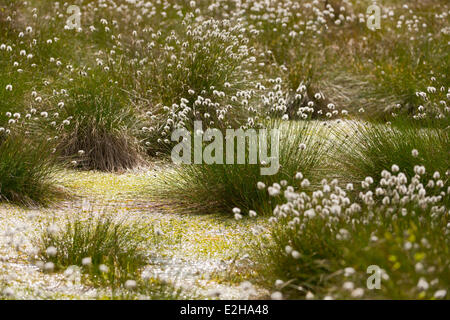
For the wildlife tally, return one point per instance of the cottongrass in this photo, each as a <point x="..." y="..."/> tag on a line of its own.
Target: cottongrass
<point x="322" y="243"/>
<point x="365" y="149"/>
<point x="96" y="130"/>
<point x="181" y="62"/>
<point x="223" y="187"/>
<point x="109" y="251"/>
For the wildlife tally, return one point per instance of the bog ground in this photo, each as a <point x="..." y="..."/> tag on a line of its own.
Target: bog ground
<point x="94" y="92"/>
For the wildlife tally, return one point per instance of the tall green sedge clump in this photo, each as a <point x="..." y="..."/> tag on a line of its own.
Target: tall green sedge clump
<point x="325" y="245"/>
<point x="109" y="251"/>
<point x="200" y="72"/>
<point x="366" y="149"/>
<point x="97" y="130"/>
<point x="26" y="170"/>
<point x="26" y="163"/>
<point x="224" y="186"/>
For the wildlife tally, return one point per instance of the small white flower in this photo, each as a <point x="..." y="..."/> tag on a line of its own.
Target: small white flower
<point x="348" y="285"/>
<point x="103" y="268"/>
<point x="236" y="210"/>
<point x="310" y="213"/>
<point x="420" y="170"/>
<point x="9" y="87"/>
<point x="260" y="185"/>
<point x="423" y="284"/>
<point x="51" y="251"/>
<point x="86" y="261"/>
<point x="273" y="191"/>
<point x="414" y="153"/>
<point x="336" y="210"/>
<point x="368" y="180"/>
<point x="279" y="283"/>
<point x="305" y="183"/>
<point x="130" y="284"/>
<point x="440" y="294"/>
<point x="407" y="246"/>
<point x="49" y="267"/>
<point x="252" y="213"/>
<point x="419" y="267"/>
<point x="309" y="295"/>
<point x="349" y="271"/>
<point x="276" y="295"/>
<point x="358" y="293"/>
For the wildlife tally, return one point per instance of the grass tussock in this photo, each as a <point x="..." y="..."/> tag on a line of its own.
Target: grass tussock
<point x="322" y="244"/>
<point x="97" y="127"/>
<point x="302" y="147"/>
<point x="26" y="171"/>
<point x="364" y="150"/>
<point x="110" y="252"/>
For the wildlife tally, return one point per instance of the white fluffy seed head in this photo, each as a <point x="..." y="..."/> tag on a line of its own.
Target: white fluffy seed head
<point x="130" y="284"/>
<point x="51" y="251"/>
<point x="276" y="295"/>
<point x="86" y="261"/>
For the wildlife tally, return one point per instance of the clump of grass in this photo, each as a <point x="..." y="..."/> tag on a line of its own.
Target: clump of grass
<point x="367" y="149"/>
<point x="322" y="244"/>
<point x="100" y="123"/>
<point x="205" y="77"/>
<point x="225" y="186"/>
<point x="109" y="251"/>
<point x="26" y="170"/>
<point x="398" y="73"/>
